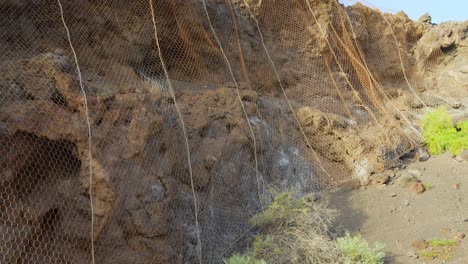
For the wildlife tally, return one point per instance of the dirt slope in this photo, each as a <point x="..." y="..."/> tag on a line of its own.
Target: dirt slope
<point x="397" y="217"/>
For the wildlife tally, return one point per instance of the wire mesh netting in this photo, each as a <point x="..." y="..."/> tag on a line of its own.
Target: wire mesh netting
<point x="151" y="131"/>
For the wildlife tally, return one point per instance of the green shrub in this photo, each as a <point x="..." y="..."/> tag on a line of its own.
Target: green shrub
<point x="285" y="209"/>
<point x="243" y="259"/>
<point x="293" y="229"/>
<point x="264" y="244"/>
<point x="356" y="250"/>
<point x="441" y="135"/>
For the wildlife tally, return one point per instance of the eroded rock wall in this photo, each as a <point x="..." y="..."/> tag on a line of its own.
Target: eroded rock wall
<point x="143" y="199"/>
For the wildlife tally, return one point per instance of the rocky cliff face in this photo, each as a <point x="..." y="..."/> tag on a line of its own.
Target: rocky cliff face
<point x="142" y="196"/>
<point x="441" y="54"/>
<point x="142" y="190"/>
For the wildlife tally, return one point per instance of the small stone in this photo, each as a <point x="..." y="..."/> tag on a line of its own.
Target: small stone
<point x="420" y="244"/>
<point x="407" y="203"/>
<point x="362" y="171"/>
<point x="405" y="180"/>
<point x="459" y="236"/>
<point x="414" y="255"/>
<point x="456" y="105"/>
<point x="393" y="195"/>
<point x="417" y="188"/>
<point x="379" y="178"/>
<point x="415" y="173"/>
<point x="456" y="186"/>
<point x="423" y="155"/>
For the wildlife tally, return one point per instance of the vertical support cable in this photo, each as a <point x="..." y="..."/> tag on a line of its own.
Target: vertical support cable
<point x="88" y="123"/>
<point x="284" y="92"/>
<point x="403" y="70"/>
<point x="184" y="131"/>
<point x="228" y="64"/>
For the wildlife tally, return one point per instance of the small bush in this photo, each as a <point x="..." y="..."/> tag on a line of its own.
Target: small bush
<point x="439" y="249"/>
<point x="356" y="250"/>
<point x="294" y="229"/>
<point x="441" y="135"/>
<point x="243" y="259"/>
<point x="285" y="209"/>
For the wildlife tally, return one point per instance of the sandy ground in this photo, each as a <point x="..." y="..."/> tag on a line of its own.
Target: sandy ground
<point x="395" y="216"/>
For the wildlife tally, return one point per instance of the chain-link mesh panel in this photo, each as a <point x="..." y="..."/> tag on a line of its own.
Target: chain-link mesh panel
<point x="151" y="131"/>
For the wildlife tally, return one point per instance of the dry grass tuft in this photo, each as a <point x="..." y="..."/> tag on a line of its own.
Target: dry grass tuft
<point x="294" y="229"/>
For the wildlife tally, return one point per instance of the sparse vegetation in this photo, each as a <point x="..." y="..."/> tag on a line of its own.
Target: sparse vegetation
<point x="439" y="249"/>
<point x="355" y="250"/>
<point x="441" y="135"/>
<point x="285" y="209"/>
<point x="427" y="186"/>
<point x="442" y="242"/>
<point x="243" y="259"/>
<point x="293" y="229"/>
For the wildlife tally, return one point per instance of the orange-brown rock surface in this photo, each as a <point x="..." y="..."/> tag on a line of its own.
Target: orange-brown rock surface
<point x="141" y="185"/>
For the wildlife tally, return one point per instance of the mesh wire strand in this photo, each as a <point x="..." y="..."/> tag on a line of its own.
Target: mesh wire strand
<point x="233" y="73"/>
